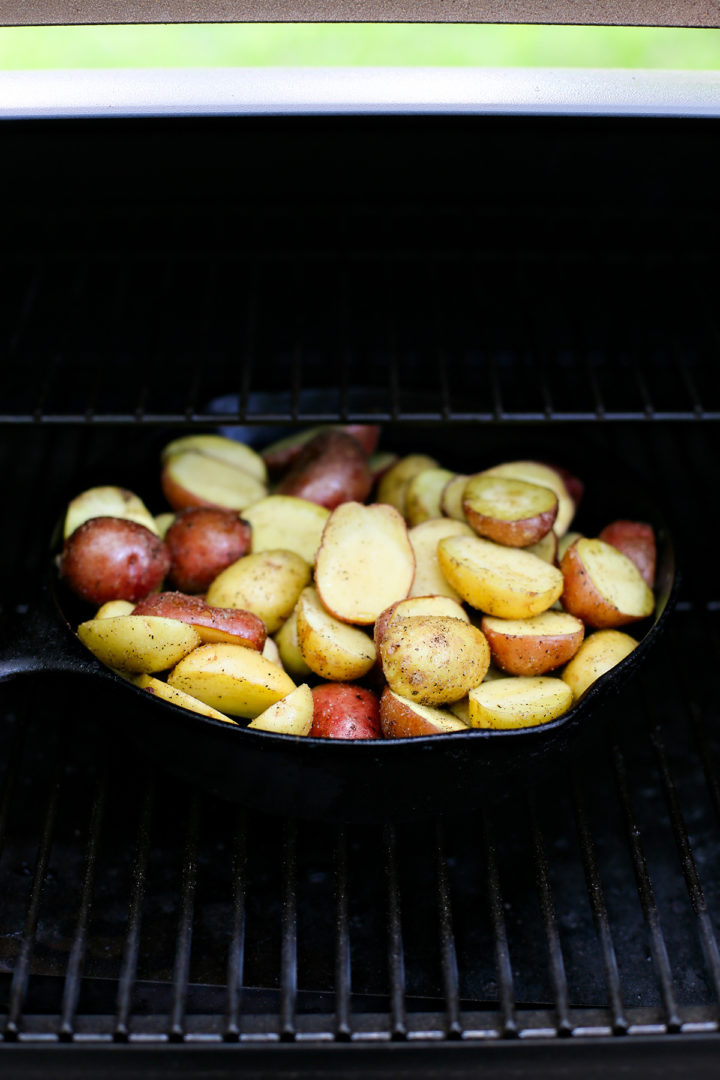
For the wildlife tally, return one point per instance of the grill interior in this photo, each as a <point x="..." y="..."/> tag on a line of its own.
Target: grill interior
<point x="136" y="911"/>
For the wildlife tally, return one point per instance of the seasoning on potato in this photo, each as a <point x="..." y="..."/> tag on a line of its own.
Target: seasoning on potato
<point x="402" y="718"/>
<point x="533" y="646"/>
<point x="213" y="624"/>
<point x="518" y="702"/>
<point x="509" y="511"/>
<point x="602" y="586"/>
<point x="330" y="648"/>
<point x="231" y="679"/>
<point x="345" y="711"/>
<point x="433" y="659"/>
<point x="267" y="583"/>
<point x="599" y="653"/>
<point x="110" y="558"/>
<point x="329" y="470"/>
<point x="202" y="542"/>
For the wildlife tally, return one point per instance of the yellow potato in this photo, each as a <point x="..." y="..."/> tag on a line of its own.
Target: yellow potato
<point x="271" y="652"/>
<point x="525" y="701"/>
<point x="107" y="501"/>
<point x="598" y="653"/>
<point x="228" y="451"/>
<point x="267" y="583"/>
<point x="393" y="484"/>
<point x="232" y="679"/>
<point x="282" y="521"/>
<point x="422" y="498"/>
<point x="503" y="581"/>
<point x="451" y="500"/>
<point x="535" y="472"/>
<point x="292" y="715"/>
<point x="433" y="659"/>
<point x="163" y="523"/>
<point x="418" y="605"/>
<point x="546" y="548"/>
<point x="139" y="643"/>
<point x="401" y="718"/>
<point x="429" y="579"/>
<point x="286" y="640"/>
<point x="177" y="697"/>
<point x="114" y="607"/>
<point x="330" y="648"/>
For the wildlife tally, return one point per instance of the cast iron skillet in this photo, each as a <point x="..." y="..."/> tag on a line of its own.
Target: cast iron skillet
<point x="363" y="781"/>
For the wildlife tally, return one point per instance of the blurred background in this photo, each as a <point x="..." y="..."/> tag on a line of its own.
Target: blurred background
<point x="335" y="44"/>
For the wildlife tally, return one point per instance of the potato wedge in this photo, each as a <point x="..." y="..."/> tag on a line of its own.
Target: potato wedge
<point x="518" y="702"/>
<point x="113" y="502"/>
<point x="598" y="653"/>
<point x="417" y="605"/>
<point x="282" y="521"/>
<point x="235" y="454"/>
<point x="345" y="711"/>
<point x="332" y="649"/>
<point x="535" y="472"/>
<point x="451" y="500"/>
<point x="113" y="608"/>
<point x="429" y="579"/>
<point x="392" y="488"/>
<point x="286" y="640"/>
<point x="546" y="548"/>
<point x="193" y="478"/>
<point x="138" y="643"/>
<point x="177" y="697"/>
<point x="271" y="652"/>
<point x="509" y="511"/>
<point x="365" y="562"/>
<point x="292" y="715"/>
<point x="433" y="659"/>
<point x="234" y="680"/>
<point x="502" y="581"/>
<point x="404" y="719"/>
<point x="603" y="587"/>
<point x="268" y="584"/>
<point x="423" y="494"/>
<point x="533" y="646"/>
<point x="212" y="624"/>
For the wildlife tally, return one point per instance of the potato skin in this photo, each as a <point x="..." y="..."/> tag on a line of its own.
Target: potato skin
<point x="635" y="539"/>
<point x="530" y="654"/>
<point x="283" y="454"/>
<point x="345" y="711"/>
<point x="212" y="623"/>
<point x="113" y="559"/>
<point x="582" y="598"/>
<point x="485" y="508"/>
<point x="268" y="583"/>
<point x="202" y="542"/>
<point x="600" y="652"/>
<point x="403" y="719"/>
<point x="331" y="469"/>
<point x="433" y="659"/>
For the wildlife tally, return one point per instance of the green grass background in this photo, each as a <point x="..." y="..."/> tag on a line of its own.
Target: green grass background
<point x="313" y="45"/>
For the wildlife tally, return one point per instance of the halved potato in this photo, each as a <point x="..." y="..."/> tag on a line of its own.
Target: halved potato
<point x="404" y="719"/>
<point x="212" y="624"/>
<point x="433" y="659"/>
<point x="503" y="581"/>
<point x="417" y="605"/>
<point x="603" y="587"/>
<point x="535" y="472"/>
<point x="564" y="543"/>
<point x="232" y="679"/>
<point x="365" y="562"/>
<point x="392" y="488"/>
<point x="138" y="643"/>
<point x="332" y="649"/>
<point x="533" y="646"/>
<point x="113" y="608"/>
<point x="193" y="478"/>
<point x="423" y="494"/>
<point x="546" y="548"/>
<point x="229" y="451"/>
<point x="598" y="653"/>
<point x="271" y="652"/>
<point x="451" y="500"/>
<point x="268" y="584"/>
<point x="283" y="521"/>
<point x="292" y="715"/>
<point x="518" y="703"/>
<point x="509" y="511"/>
<point x="286" y="640"/>
<point x="177" y="697"/>
<point x="114" y="502"/>
<point x="429" y="579"/>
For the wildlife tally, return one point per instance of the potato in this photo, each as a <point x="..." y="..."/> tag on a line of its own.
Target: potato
<point x="284" y="453"/>
<point x="602" y="586"/>
<point x="344" y="711"/>
<point x="417" y="605"/>
<point x="212" y="623"/>
<point x="163" y="523"/>
<point x="331" y="469"/>
<point x="286" y="640"/>
<point x="429" y="580"/>
<point x="235" y="454"/>
<point x="232" y="679"/>
<point x="575" y="487"/>
<point x="365" y="562"/>
<point x="112" y="502"/>
<point x="113" y="608"/>
<point x="546" y="548"/>
<point x="564" y="543"/>
<point x="379" y="463"/>
<point x="451" y="500"/>
<point x="267" y="583"/>
<point x="423" y="494"/>
<point x="393" y="486"/>
<point x="535" y="472"/>
<point x="282" y="521"/>
<point x="509" y="511"/>
<point x="330" y="648"/>
<point x="138" y="643"/>
<point x="518" y="703"/>
<point x="502" y="581"/>
<point x="111" y="559"/>
<point x="271" y="652"/>
<point x="598" y="653"/>
<point x="292" y="715"/>
<point x="177" y="697"/>
<point x="404" y="719"/>
<point x="533" y="646"/>
<point x="202" y="542"/>
<point x="635" y="539"/>
<point x="192" y="477"/>
<point x="433" y="659"/>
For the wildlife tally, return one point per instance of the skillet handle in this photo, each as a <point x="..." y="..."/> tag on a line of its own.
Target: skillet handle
<point x="37" y="642"/>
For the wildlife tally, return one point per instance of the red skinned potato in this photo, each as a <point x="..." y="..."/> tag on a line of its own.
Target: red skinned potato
<point x="533" y="646"/>
<point x="574" y="485"/>
<point x="112" y="559"/>
<point x="344" y="711"/>
<point x="404" y="719"/>
<point x="230" y="625"/>
<point x="284" y="453"/>
<point x="602" y="586"/>
<point x="635" y="539"/>
<point x="202" y="542"/>
<point x="331" y="469"/>
<point x="509" y="511"/>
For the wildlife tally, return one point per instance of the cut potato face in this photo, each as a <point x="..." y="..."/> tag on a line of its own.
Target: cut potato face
<point x="138" y="643"/>
<point x="533" y="646"/>
<point x="451" y="501"/>
<point x="509" y="511"/>
<point x="433" y="659"/>
<point x="332" y="649"/>
<point x="193" y="478"/>
<point x="177" y="697"/>
<point x="534" y="472"/>
<point x="603" y="587"/>
<point x="282" y="521"/>
<point x="393" y="486"/>
<point x="429" y="579"/>
<point x="286" y="640"/>
<point x="113" y="502"/>
<point x="503" y="581"/>
<point x="268" y="584"/>
<point x="228" y="451"/>
<point x="113" y="608"/>
<point x="598" y="653"/>
<point x="519" y="702"/>
<point x="423" y="495"/>
<point x="271" y="652"/>
<point x="292" y="715"/>
<point x="546" y="548"/>
<point x="404" y="719"/>
<point x="365" y="562"/>
<point x="231" y="679"/>
<point x="565" y="542"/>
<point x="418" y="605"/>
